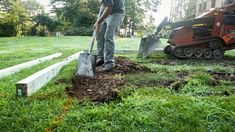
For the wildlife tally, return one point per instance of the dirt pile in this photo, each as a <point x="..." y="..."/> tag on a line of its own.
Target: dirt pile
<point x="104" y="86"/>
<point x="126" y="66"/>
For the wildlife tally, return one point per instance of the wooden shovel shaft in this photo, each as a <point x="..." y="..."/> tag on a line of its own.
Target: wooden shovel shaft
<point x="92" y="42"/>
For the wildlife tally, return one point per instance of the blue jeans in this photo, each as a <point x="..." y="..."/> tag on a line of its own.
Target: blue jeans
<point x="105" y="37"/>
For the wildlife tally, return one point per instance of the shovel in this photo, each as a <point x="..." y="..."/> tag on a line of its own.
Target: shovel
<point x="86" y="62"/>
<point x="149" y="43"/>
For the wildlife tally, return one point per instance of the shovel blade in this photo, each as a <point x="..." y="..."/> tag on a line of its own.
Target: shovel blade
<point x="147" y="45"/>
<point x="86" y="65"/>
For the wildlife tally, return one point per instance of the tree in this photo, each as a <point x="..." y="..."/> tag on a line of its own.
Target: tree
<point x="190" y="9"/>
<point x="4" y="4"/>
<point x="32" y="7"/>
<point x="15" y="19"/>
<point x="184" y="9"/>
<point x="134" y="15"/>
<point x="137" y="11"/>
<point x="228" y="2"/>
<point x="6" y="29"/>
<point x="78" y="16"/>
<point x="43" y="23"/>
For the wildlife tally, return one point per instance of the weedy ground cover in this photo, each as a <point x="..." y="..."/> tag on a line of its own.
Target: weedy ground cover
<point x="176" y="95"/>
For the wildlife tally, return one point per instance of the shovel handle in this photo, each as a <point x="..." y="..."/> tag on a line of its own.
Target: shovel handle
<point x="94" y="33"/>
<point x="92" y="42"/>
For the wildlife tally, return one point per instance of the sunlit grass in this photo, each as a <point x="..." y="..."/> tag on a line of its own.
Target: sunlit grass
<point x="197" y="105"/>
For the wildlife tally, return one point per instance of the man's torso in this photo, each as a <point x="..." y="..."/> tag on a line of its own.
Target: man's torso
<point x="118" y="5"/>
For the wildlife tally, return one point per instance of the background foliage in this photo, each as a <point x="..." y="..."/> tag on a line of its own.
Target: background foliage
<point x="70" y="17"/>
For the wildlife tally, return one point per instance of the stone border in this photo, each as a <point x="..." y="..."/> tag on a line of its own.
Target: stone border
<point x="14" y="69"/>
<point x="33" y="83"/>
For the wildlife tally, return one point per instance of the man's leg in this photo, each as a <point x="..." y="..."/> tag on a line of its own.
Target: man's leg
<point x="113" y="22"/>
<point x="101" y="41"/>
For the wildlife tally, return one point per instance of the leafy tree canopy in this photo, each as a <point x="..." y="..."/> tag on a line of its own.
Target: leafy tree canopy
<point x="83" y="13"/>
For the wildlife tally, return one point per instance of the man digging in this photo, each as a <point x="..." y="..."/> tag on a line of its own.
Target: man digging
<point x="106" y="26"/>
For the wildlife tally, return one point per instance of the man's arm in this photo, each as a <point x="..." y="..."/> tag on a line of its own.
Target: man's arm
<point x="107" y="11"/>
<point x="105" y="14"/>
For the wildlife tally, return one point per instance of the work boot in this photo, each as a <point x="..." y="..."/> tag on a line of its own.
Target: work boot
<point x="107" y="68"/>
<point x="99" y="62"/>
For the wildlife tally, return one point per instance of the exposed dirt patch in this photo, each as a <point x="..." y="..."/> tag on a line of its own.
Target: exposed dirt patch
<point x="126" y="66"/>
<point x="182" y="75"/>
<point x="101" y="88"/>
<point x="217" y="76"/>
<point x="104" y="86"/>
<point x="178" y="85"/>
<point x="223" y="76"/>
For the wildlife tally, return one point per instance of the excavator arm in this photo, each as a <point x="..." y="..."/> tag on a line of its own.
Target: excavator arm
<point x="203" y="24"/>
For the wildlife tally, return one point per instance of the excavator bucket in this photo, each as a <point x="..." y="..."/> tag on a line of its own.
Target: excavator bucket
<point x="148" y="44"/>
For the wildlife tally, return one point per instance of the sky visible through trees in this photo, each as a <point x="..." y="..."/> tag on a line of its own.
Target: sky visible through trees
<point x="76" y="17"/>
<point x="164" y="9"/>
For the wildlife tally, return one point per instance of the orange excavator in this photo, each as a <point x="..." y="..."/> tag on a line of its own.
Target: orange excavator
<point x="207" y="36"/>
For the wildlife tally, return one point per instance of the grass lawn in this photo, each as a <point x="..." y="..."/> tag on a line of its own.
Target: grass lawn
<point x="200" y="97"/>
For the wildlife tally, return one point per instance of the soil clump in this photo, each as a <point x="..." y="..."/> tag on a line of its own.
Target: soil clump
<point x="105" y="86"/>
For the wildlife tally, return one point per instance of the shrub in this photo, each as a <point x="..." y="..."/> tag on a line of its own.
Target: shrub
<point x="7" y="30"/>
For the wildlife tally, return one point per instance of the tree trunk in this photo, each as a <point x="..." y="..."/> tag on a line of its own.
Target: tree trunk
<point x="132" y="29"/>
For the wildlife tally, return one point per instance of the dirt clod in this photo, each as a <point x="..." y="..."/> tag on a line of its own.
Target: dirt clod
<point x="104" y="86"/>
<point x="165" y="62"/>
<point x="125" y="66"/>
<point x="223" y="76"/>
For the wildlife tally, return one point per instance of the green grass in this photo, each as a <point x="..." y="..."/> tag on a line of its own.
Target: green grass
<point x="153" y="109"/>
<point x="196" y="104"/>
<point x="16" y="50"/>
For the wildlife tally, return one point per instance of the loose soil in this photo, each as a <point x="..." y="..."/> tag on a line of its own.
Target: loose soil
<point x="223" y="76"/>
<point x="105" y="86"/>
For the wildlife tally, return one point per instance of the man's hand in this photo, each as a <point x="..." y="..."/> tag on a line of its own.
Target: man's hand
<point x="107" y="11"/>
<point x="97" y="26"/>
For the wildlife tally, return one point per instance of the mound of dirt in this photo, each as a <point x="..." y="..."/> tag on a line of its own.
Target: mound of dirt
<point x="126" y="66"/>
<point x="104" y="86"/>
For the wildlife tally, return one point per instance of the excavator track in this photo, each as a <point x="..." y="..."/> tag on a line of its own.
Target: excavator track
<point x="209" y="49"/>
